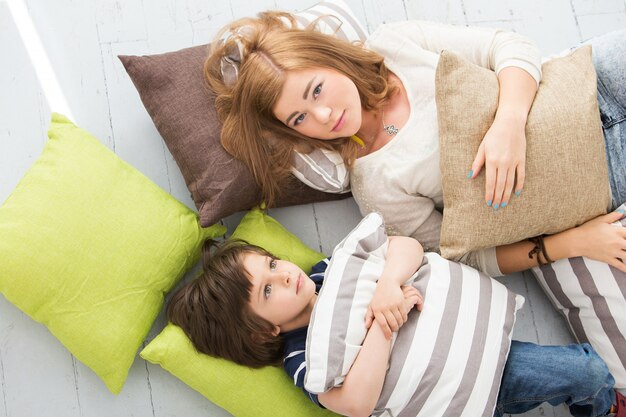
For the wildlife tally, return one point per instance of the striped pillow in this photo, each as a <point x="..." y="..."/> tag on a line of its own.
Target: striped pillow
<point x="323" y="169"/>
<point x="592" y="297"/>
<point x="333" y="17"/>
<point x="447" y="359"/>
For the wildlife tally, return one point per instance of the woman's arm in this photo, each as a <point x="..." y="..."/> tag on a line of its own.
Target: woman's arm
<point x="503" y="149"/>
<point x="404" y="257"/>
<point x="596" y="239"/>
<point x="362" y="387"/>
<point x="516" y="60"/>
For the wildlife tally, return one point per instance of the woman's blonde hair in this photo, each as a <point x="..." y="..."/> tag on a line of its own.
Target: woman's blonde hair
<point x="246" y="69"/>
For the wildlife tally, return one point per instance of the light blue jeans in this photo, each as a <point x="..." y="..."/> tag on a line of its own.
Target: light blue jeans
<point x="573" y="375"/>
<point x="609" y="58"/>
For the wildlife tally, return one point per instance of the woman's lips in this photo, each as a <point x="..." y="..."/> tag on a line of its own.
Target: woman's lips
<point x="340" y="122"/>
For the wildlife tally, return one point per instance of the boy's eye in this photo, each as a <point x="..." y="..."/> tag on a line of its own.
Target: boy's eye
<point x="272" y="264"/>
<point x="317" y="91"/>
<point x="267" y="290"/>
<point x="299" y="119"/>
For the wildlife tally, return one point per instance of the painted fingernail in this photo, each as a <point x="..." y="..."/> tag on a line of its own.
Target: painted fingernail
<point x="503" y="205"/>
<point x="489" y="203"/>
<point x="518" y="192"/>
<point x="621" y="211"/>
<point x="495" y="206"/>
<point x="469" y="174"/>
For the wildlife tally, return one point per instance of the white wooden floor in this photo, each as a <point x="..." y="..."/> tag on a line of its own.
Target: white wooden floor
<point x="38" y="377"/>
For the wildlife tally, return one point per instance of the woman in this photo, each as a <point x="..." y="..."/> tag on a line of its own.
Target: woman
<point x="281" y="89"/>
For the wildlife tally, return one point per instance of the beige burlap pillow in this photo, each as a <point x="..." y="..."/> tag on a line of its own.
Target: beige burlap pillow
<point x="566" y="170"/>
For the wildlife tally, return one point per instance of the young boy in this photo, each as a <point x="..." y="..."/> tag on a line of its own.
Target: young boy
<point x="254" y="309"/>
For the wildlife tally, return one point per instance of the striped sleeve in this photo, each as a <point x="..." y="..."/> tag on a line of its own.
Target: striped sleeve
<point x="295" y="341"/>
<point x="294" y="361"/>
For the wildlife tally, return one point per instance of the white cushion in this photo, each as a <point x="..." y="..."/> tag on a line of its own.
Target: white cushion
<point x="322" y="169"/>
<point x="591" y="295"/>
<point x="447" y="359"/>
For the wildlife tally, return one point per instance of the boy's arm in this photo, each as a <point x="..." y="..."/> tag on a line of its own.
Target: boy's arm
<point x="404" y="257"/>
<point x="363" y="384"/>
<point x="362" y="387"/>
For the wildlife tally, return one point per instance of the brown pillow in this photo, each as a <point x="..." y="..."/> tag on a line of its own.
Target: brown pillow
<point x="172" y="89"/>
<point x="566" y="170"/>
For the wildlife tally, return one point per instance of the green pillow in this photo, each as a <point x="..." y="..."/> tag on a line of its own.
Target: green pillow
<point x="89" y="248"/>
<point x="242" y="391"/>
<point x="259" y="229"/>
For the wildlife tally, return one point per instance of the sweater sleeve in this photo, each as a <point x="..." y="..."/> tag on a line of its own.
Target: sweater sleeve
<point x="422" y="221"/>
<point x="484" y="260"/>
<point x="491" y="48"/>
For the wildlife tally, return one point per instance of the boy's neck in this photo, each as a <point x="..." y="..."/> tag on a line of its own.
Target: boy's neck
<point x="303" y="318"/>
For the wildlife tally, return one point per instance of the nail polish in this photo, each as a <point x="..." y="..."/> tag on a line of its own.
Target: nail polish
<point x="495" y="206"/>
<point x="489" y="203"/>
<point x="518" y="192"/>
<point x="503" y="205"/>
<point x="469" y="174"/>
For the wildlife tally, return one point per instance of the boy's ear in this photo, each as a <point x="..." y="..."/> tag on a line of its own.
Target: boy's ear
<point x="260" y="337"/>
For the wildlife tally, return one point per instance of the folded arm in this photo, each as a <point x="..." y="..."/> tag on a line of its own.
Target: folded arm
<point x="596" y="239"/>
<point x="404" y="257"/>
<point x="502" y="151"/>
<point x="362" y="387"/>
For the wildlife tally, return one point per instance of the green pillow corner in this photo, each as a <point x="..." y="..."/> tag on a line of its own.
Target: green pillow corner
<point x="240" y="390"/>
<point x="258" y="228"/>
<point x="91" y="246"/>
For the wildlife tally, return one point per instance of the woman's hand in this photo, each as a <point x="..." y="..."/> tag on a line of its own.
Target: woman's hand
<point x="390" y="306"/>
<point x="503" y="153"/>
<point x="503" y="149"/>
<point x="602" y="241"/>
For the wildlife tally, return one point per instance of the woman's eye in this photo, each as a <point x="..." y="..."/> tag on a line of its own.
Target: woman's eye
<point x="273" y="265"/>
<point x="299" y="120"/>
<point x="267" y="290"/>
<point x="317" y="91"/>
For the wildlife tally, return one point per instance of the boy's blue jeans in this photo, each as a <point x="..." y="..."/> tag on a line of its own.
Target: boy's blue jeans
<point x="573" y="375"/>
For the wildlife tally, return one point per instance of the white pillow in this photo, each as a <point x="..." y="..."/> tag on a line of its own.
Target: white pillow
<point x="322" y="169"/>
<point x="334" y="17"/>
<point x="591" y="295"/>
<point x="447" y="359"/>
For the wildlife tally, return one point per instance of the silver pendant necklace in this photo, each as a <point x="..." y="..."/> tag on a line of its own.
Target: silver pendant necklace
<point x="391" y="129"/>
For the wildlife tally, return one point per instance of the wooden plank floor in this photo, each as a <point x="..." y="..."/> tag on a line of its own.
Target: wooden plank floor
<point x="38" y="376"/>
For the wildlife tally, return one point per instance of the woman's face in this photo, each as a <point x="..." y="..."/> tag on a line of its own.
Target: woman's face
<point x="319" y="103"/>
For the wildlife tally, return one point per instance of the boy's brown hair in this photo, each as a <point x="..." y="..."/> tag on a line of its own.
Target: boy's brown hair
<point x="213" y="309"/>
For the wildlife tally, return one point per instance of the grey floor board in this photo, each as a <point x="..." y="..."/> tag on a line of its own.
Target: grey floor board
<point x="38" y="376"/>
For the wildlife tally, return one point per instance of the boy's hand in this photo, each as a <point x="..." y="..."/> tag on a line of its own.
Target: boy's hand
<point x="387" y="307"/>
<point x="412" y="297"/>
<point x="390" y="306"/>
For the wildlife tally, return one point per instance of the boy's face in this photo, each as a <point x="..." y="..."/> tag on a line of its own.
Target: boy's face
<point x="281" y="292"/>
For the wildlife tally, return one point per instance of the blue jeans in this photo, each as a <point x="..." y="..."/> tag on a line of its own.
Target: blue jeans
<point x="609" y="59"/>
<point x="573" y="375"/>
